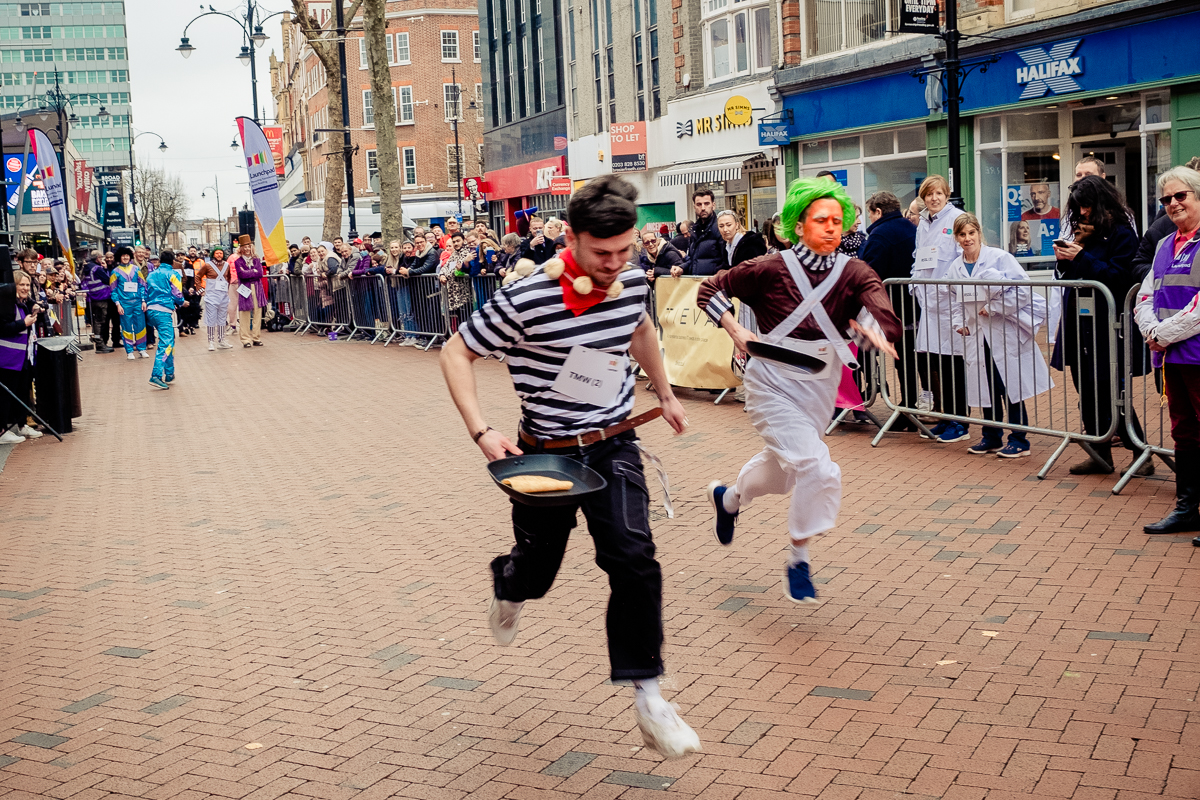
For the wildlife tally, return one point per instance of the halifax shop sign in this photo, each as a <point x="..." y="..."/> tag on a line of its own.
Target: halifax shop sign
<point x="1158" y="51"/>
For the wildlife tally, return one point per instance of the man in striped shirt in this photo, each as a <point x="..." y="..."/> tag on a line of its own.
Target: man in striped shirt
<point x="567" y="332"/>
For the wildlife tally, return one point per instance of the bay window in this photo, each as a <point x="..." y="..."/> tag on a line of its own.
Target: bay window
<point x="737" y="38"/>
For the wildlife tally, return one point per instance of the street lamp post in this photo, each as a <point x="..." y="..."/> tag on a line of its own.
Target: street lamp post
<point x="216" y="188"/>
<point x="162" y="147"/>
<point x="457" y="149"/>
<point x="252" y="36"/>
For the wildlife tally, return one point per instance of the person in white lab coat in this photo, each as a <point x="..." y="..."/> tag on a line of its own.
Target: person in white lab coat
<point x="939" y="351"/>
<point x="1004" y="364"/>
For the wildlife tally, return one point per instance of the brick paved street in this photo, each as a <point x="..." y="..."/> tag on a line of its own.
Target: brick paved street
<point x="271" y="581"/>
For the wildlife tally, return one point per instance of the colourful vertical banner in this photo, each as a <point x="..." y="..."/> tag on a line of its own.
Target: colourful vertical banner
<point x="264" y="191"/>
<point x="52" y="179"/>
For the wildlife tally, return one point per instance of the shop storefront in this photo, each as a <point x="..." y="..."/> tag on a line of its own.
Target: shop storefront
<point x="1126" y="94"/>
<point x="524" y="186"/>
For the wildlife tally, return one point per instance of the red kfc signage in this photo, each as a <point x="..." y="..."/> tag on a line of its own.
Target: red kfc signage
<point x="525" y="180"/>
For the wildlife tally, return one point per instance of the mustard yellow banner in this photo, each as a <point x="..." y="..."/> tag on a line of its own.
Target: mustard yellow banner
<point x="695" y="351"/>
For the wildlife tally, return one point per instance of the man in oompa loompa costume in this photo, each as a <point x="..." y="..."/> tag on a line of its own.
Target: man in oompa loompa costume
<point x="810" y="303"/>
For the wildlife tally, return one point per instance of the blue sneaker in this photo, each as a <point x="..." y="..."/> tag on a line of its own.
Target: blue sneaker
<point x="936" y="430"/>
<point x="159" y="382"/>
<point x="723" y="525"/>
<point x="953" y="433"/>
<point x="1015" y="450"/>
<point x="170" y="377"/>
<point x="798" y="586"/>
<point x="985" y="446"/>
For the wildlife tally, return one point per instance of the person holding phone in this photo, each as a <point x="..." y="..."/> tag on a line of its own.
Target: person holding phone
<point x="1103" y="249"/>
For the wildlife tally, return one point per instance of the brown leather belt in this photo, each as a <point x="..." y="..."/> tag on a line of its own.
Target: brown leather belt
<point x="591" y="437"/>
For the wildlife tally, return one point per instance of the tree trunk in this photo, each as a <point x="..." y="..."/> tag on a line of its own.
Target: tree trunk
<point x="374" y="24"/>
<point x="327" y="52"/>
<point x="335" y="166"/>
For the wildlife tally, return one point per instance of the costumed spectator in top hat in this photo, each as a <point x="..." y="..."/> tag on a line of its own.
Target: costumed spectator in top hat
<point x="250" y="294"/>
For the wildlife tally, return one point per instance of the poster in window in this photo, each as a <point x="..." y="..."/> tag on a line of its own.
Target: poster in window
<point x="1033" y="216"/>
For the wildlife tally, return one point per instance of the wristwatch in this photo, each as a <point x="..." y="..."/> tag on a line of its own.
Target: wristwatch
<point x="477" y="436"/>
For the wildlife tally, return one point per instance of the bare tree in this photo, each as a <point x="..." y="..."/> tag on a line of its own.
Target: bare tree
<point x="384" y="105"/>
<point x="162" y="200"/>
<point x="324" y="44"/>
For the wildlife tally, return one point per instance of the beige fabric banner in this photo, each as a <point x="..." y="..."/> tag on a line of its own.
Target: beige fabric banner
<point x="695" y="351"/>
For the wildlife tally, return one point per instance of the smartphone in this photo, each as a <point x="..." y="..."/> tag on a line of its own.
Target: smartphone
<point x="1061" y="243"/>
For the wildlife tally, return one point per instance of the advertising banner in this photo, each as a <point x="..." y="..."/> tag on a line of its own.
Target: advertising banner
<point x="628" y="141"/>
<point x="52" y="179"/>
<point x="264" y="191"/>
<point x="35" y="193"/>
<point x="696" y="353"/>
<point x="918" y="16"/>
<point x="275" y="140"/>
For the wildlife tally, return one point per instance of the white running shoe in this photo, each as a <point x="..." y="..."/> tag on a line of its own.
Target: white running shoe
<point x="224" y="346"/>
<point x="145" y="354"/>
<point x="503" y="617"/>
<point x="28" y="432"/>
<point x="211" y="347"/>
<point x="664" y="731"/>
<point x="130" y="356"/>
<point x="8" y="437"/>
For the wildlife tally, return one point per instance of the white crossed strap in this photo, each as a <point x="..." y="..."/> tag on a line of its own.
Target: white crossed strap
<point x="811" y="305"/>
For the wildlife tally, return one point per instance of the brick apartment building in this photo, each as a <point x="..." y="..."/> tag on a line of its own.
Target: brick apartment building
<point x="431" y="47"/>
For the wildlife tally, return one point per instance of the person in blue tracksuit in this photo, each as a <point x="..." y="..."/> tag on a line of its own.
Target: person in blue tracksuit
<point x="129" y="293"/>
<point x="164" y="293"/>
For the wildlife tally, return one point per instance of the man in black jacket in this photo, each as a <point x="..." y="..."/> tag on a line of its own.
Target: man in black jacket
<point x="537" y="248"/>
<point x="891" y="242"/>
<point x="706" y="250"/>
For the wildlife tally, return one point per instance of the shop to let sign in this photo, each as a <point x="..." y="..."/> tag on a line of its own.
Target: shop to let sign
<point x="628" y="141"/>
<point x="918" y="16"/>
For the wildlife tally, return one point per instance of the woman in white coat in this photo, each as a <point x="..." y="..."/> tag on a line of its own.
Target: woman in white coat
<point x="1004" y="365"/>
<point x="939" y="351"/>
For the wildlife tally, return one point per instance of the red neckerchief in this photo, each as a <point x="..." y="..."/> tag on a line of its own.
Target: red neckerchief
<point x="574" y="301"/>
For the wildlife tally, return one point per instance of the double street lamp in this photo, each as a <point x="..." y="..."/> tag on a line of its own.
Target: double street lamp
<point x="253" y="35"/>
<point x="57" y="102"/>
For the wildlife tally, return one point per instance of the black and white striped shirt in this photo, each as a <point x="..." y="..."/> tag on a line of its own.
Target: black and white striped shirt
<point x="528" y="322"/>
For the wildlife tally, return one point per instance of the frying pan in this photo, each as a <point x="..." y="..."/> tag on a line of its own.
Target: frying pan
<point x="586" y="480"/>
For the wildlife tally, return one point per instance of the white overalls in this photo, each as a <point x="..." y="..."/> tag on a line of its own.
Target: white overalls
<point x="790" y="409"/>
<point x="216" y="303"/>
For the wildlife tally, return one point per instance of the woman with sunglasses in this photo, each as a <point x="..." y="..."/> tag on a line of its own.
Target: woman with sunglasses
<point x="1168" y="316"/>
<point x="1103" y="249"/>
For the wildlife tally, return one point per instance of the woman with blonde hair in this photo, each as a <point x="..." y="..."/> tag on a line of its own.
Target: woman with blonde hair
<point x="740" y="244"/>
<point x="1004" y="366"/>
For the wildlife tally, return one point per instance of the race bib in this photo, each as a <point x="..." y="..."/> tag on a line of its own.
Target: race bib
<point x="130" y="287"/>
<point x="244" y="290"/>
<point x="592" y="376"/>
<point x="927" y="258"/>
<point x="189" y="272"/>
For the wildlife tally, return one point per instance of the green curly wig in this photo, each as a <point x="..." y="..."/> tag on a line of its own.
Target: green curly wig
<point x="803" y="193"/>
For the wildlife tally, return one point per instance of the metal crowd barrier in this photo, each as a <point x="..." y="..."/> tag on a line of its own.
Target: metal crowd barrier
<point x="299" y="300"/>
<point x="369" y="306"/>
<point x="1147" y="424"/>
<point x="279" y="299"/>
<point x="418" y="308"/>
<point x="1082" y="396"/>
<point x="866" y="378"/>
<point x="319" y="301"/>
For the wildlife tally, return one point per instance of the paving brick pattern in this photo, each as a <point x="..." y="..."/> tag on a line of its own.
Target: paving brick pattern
<point x="270" y="581"/>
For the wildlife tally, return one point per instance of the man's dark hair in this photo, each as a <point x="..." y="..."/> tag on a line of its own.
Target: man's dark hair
<point x="293" y="246"/>
<point x="166" y="256"/>
<point x="883" y="202"/>
<point x="1106" y="205"/>
<point x="824" y="174"/>
<point x="702" y="193"/>
<point x="604" y="208"/>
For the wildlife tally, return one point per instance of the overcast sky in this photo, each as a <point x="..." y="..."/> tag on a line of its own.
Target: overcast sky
<point x="193" y="104"/>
